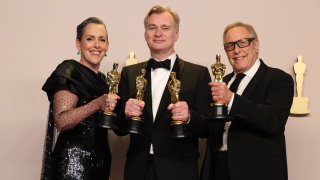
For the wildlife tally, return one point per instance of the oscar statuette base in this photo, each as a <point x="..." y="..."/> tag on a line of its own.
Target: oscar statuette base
<point x="135" y="125"/>
<point x="219" y="112"/>
<point x="179" y="130"/>
<point x="107" y="120"/>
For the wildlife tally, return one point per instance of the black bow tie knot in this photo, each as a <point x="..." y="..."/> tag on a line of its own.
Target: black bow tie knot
<point x="160" y="64"/>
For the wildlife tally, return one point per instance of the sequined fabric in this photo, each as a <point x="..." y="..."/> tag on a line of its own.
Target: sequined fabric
<point x="81" y="150"/>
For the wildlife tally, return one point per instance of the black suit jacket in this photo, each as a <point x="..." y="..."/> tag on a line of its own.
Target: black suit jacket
<point x="256" y="140"/>
<point x="174" y="158"/>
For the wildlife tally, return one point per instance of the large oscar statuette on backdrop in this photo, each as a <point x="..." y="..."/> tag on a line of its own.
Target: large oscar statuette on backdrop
<point x="300" y="103"/>
<point x="178" y="127"/>
<point x="218" y="109"/>
<point x="108" y="118"/>
<point x="135" y="123"/>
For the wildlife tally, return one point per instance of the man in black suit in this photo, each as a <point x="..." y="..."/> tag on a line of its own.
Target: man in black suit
<point x="155" y="155"/>
<point x="250" y="145"/>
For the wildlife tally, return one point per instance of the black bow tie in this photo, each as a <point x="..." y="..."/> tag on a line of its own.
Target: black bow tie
<point x="159" y="64"/>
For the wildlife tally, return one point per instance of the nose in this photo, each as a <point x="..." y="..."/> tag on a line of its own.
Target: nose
<point x="236" y="48"/>
<point x="96" y="43"/>
<point x="158" y="32"/>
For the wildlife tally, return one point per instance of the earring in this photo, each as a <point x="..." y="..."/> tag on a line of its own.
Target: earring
<point x="78" y="52"/>
<point x="105" y="55"/>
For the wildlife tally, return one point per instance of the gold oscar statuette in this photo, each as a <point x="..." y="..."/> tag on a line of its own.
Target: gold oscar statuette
<point x="131" y="60"/>
<point x="136" y="123"/>
<point x="300" y="103"/>
<point x="108" y="118"/>
<point x="218" y="109"/>
<point x="178" y="127"/>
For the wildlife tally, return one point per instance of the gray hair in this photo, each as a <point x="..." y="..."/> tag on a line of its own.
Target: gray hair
<point x="248" y="27"/>
<point x="158" y="9"/>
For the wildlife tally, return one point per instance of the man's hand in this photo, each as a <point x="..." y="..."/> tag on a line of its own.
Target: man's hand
<point x="180" y="111"/>
<point x="220" y="92"/>
<point x="134" y="108"/>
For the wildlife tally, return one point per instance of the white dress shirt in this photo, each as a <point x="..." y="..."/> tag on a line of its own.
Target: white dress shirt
<point x="159" y="79"/>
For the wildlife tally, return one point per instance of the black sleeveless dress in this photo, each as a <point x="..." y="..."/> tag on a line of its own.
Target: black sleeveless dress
<point x="81" y="152"/>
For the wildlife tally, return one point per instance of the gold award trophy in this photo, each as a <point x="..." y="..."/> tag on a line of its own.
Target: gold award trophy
<point x="218" y="109"/>
<point x="108" y="118"/>
<point x="131" y="60"/>
<point x="135" y="123"/>
<point x="300" y="103"/>
<point x="178" y="127"/>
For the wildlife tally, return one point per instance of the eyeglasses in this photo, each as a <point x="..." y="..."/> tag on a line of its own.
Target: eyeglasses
<point x="230" y="46"/>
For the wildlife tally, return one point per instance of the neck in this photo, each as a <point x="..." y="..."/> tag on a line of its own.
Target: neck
<point x="161" y="55"/>
<point x="93" y="67"/>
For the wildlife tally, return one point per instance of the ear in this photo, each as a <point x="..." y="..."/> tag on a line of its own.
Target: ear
<point x="177" y="35"/>
<point x="256" y="45"/>
<point x="107" y="47"/>
<point x="78" y="44"/>
<point x="145" y="34"/>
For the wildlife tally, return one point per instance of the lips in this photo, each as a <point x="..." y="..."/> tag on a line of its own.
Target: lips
<point x="158" y="41"/>
<point x="238" y="58"/>
<point x="95" y="52"/>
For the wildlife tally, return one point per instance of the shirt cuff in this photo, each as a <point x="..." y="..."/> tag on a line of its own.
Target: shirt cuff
<point x="231" y="102"/>
<point x="189" y="117"/>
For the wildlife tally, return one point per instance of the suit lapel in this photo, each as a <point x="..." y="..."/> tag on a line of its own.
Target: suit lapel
<point x="228" y="77"/>
<point x="255" y="80"/>
<point x="148" y="93"/>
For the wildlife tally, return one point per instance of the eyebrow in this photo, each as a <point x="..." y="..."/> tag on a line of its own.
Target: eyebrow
<point x="95" y="36"/>
<point x="162" y="25"/>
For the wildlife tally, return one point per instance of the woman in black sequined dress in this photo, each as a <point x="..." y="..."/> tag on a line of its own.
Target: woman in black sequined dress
<point x="76" y="91"/>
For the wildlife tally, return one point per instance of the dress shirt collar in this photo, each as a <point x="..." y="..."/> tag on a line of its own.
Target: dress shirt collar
<point x="252" y="71"/>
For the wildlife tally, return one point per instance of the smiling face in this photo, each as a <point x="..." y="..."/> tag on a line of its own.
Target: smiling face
<point x="241" y="59"/>
<point x="93" y="45"/>
<point x="161" y="33"/>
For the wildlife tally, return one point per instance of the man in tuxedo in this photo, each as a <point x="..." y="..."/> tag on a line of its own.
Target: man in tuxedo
<point x="155" y="154"/>
<point x="250" y="144"/>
